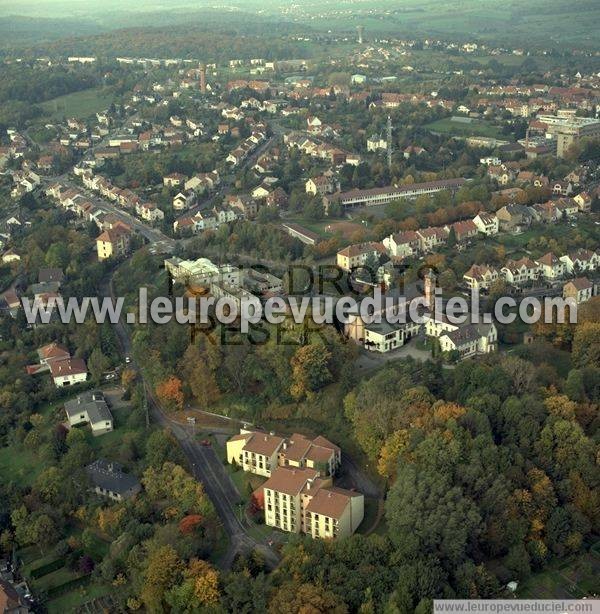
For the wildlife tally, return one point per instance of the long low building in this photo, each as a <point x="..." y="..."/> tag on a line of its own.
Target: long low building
<point x="382" y="196"/>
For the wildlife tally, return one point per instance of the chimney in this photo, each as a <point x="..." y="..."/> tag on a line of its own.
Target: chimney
<point x="203" y="78"/>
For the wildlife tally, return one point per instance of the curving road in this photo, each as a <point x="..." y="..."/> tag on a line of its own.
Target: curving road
<point x="204" y="464"/>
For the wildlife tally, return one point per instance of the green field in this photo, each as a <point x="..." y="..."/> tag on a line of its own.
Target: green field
<point x="476" y="127"/>
<point x="73" y="600"/>
<point x="79" y="104"/>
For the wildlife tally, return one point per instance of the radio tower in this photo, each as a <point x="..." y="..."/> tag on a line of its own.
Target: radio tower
<point x="203" y="78"/>
<point x="389" y="142"/>
<point x="361" y="31"/>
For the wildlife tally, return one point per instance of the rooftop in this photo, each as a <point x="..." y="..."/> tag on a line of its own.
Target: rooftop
<point x="92" y="403"/>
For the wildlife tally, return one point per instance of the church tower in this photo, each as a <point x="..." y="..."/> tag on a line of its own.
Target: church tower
<point x="430" y="284"/>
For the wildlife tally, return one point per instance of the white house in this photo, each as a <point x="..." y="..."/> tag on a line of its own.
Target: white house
<point x="481" y="277"/>
<point x="487" y="223"/>
<point x="402" y="244"/>
<point x="520" y="271"/>
<point x="91" y="408"/>
<point x="581" y="289"/>
<point x="551" y="267"/>
<point x="470" y="339"/>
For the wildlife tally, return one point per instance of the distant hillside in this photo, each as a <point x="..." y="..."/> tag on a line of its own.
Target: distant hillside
<point x="513" y="22"/>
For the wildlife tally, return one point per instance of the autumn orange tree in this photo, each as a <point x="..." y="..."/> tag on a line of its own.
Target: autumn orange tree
<point x="170" y="393"/>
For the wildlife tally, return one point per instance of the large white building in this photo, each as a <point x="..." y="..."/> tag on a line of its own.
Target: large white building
<point x="567" y="128"/>
<point x="382" y="196"/>
<point x="202" y="271"/>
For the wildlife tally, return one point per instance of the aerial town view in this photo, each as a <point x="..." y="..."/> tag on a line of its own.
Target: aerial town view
<point x="299" y="306"/>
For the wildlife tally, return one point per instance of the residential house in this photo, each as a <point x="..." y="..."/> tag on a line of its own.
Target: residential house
<point x="470" y="339"/>
<point x="64" y="369"/>
<point x="463" y="231"/>
<point x="358" y="255"/>
<point x="261" y="191"/>
<point x="430" y="238"/>
<point x="322" y="184"/>
<point x="519" y="272"/>
<point x="562" y="188"/>
<point x="402" y="244"/>
<point x="68" y="372"/>
<point x="546" y="213"/>
<point x="113" y="242"/>
<point x="10" y="256"/>
<point x="385" y="336"/>
<point x="581" y="261"/>
<point x="90" y="407"/>
<point x="11" y="599"/>
<point x="551" y="267"/>
<point x="244" y="203"/>
<point x="184" y="200"/>
<point x="514" y="217"/>
<point x="567" y="207"/>
<point x="501" y="174"/>
<point x="581" y="289"/>
<point x="278" y="198"/>
<point x="486" y="223"/>
<point x="108" y="479"/>
<point x="413" y="150"/>
<point x="584" y="202"/>
<point x="149" y="212"/>
<point x="481" y="277"/>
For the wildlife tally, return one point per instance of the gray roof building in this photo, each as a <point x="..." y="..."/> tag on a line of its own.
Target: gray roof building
<point x="109" y="480"/>
<point x="90" y="406"/>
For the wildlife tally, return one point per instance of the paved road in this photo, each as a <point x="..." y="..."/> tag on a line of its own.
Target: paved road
<point x="205" y="466"/>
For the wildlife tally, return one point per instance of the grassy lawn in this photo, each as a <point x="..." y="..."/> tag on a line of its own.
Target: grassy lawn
<point x="475" y="127"/>
<point x="246" y="483"/>
<point x="315" y="226"/>
<point x="71" y="601"/>
<point x="55" y="578"/>
<point x="19" y="464"/>
<point x="78" y="104"/>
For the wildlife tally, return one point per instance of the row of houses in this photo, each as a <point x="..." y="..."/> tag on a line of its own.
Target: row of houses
<point x="246" y="147"/>
<point x="123" y="197"/>
<point x="548" y="268"/>
<point x="115" y="238"/>
<point x="510" y="218"/>
<point x="406" y="244"/>
<point x="324" y="151"/>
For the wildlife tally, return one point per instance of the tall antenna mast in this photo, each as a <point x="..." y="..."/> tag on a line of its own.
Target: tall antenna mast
<point x="389" y="142"/>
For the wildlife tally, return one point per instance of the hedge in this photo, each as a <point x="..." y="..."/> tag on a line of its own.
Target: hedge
<point x="44" y="570"/>
<point x="55" y="591"/>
